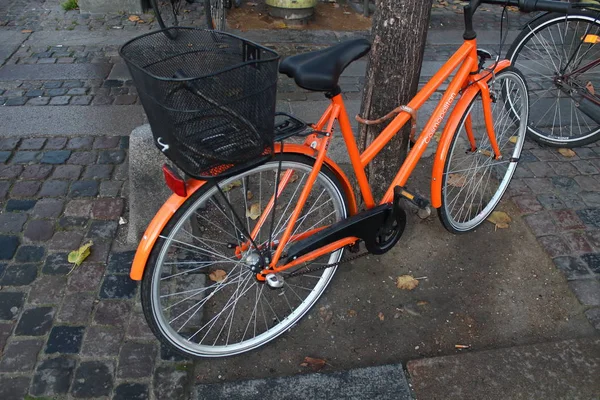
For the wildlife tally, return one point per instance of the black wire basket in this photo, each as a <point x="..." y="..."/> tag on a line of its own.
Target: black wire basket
<point x="209" y="97"/>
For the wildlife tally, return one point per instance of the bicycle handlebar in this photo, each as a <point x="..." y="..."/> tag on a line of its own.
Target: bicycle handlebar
<point x="528" y="5"/>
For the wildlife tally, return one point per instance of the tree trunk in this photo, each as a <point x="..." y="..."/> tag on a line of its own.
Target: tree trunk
<point x="398" y="41"/>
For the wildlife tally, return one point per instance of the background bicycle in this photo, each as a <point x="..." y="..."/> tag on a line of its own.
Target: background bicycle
<point x="168" y="12"/>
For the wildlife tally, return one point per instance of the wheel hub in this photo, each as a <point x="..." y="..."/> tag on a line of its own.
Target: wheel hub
<point x="255" y="261"/>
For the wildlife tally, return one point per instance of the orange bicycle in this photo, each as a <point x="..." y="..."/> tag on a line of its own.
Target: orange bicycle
<point x="235" y="259"/>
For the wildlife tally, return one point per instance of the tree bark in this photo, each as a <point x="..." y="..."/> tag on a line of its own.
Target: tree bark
<point x="398" y="41"/>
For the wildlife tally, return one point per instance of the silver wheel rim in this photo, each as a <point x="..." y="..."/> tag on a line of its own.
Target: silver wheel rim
<point x="249" y="284"/>
<point x="468" y="198"/>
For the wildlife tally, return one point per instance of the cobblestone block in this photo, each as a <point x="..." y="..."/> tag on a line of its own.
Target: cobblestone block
<point x="100" y="251"/>
<point x="98" y="172"/>
<point x="111" y="83"/>
<point x="56" y="143"/>
<point x="72" y="84"/>
<point x="93" y="379"/>
<point x="5" y="331"/>
<point x="83" y="158"/>
<point x="65" y="339"/>
<point x="76" y="308"/>
<point x="4" y="156"/>
<point x="572" y="267"/>
<point x="136" y="360"/>
<point x="56" y="264"/>
<point x="138" y="327"/>
<point x="111" y="157"/>
<point x="540" y="169"/>
<point x="36" y="171"/>
<point x="540" y="224"/>
<point x="571" y="200"/>
<point x="35" y="322"/>
<point x="52" y="84"/>
<point x="106" y="142"/>
<point x="101" y="100"/>
<point x="591" y="199"/>
<point x="588" y="183"/>
<point x="565" y="184"/>
<point x="39" y="230"/>
<point x="593" y="315"/>
<point x="167" y="354"/>
<point x="102" y="341"/>
<point x="111" y="312"/>
<point x="10" y="171"/>
<point x="122" y="172"/>
<point x="587" y="291"/>
<point x="79" y="208"/>
<point x="19" y="275"/>
<point x="131" y="391"/>
<point x="8" y="247"/>
<point x="55" y="156"/>
<point x="102" y="229"/>
<point x="10" y="304"/>
<point x="125" y="99"/>
<point x="12" y="222"/>
<point x="50" y="60"/>
<point x="563" y="168"/>
<point x="48" y="290"/>
<point x="25" y="189"/>
<point x="120" y="263"/>
<point x="56" y="92"/>
<point x="24" y="157"/>
<point x="539" y="185"/>
<point x="107" y="208"/>
<point x="9" y="143"/>
<point x="72" y="223"/>
<point x="81" y="100"/>
<point x="71" y="172"/>
<point x="29" y="254"/>
<point x="117" y="287"/>
<point x="20" y="355"/>
<point x="54" y="188"/>
<point x="65" y="240"/>
<point x="65" y="60"/>
<point x="16" y="101"/>
<point x="4" y="186"/>
<point x="170" y="383"/>
<point x="110" y="188"/>
<point x="19" y="205"/>
<point x="60" y="100"/>
<point x="590" y="217"/>
<point x="585" y="167"/>
<point x="84" y="189"/>
<point x="53" y="376"/>
<point x="592" y="260"/>
<point x="567" y="220"/>
<point x="32" y="144"/>
<point x="80" y="143"/>
<point x="14" y="387"/>
<point x="77" y="91"/>
<point x="87" y="278"/>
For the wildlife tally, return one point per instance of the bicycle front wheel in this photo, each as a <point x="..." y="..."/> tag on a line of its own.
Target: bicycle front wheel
<point x="166" y="12"/>
<point x="473" y="180"/>
<point x="199" y="293"/>
<point x="552" y="53"/>
<point x="215" y="14"/>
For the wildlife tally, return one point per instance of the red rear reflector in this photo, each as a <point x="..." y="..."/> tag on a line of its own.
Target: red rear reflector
<point x="174" y="181"/>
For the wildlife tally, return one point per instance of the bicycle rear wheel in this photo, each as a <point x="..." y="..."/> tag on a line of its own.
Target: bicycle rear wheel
<point x="473" y="182"/>
<point x="215" y="14"/>
<point x="199" y="294"/>
<point x="166" y="12"/>
<point x="549" y="52"/>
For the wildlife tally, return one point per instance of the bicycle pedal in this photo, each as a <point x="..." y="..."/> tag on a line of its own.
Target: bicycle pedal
<point x="414" y="198"/>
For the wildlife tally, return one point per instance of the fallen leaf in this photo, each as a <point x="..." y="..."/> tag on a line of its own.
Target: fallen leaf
<point x="406" y="282"/>
<point x="462" y="346"/>
<point x="590" y="87"/>
<point x="231" y="185"/>
<point x="26" y="31"/>
<point x="422" y="303"/>
<point x="326" y="314"/>
<point x="133" y="18"/>
<point x="500" y="219"/>
<point x="456" y="180"/>
<point x="567" y="152"/>
<point x="315" y="363"/>
<point x="513" y="139"/>
<point x="254" y="212"/>
<point x="381" y="316"/>
<point x="293" y="178"/>
<point x="351" y="313"/>
<point x="486" y="153"/>
<point x="78" y="256"/>
<point x="437" y="136"/>
<point x="249" y="195"/>
<point x="218" y="275"/>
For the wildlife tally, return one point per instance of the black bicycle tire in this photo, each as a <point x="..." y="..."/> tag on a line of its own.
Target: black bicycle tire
<point x="171" y="34"/>
<point x="513" y="52"/>
<point x="146" y="284"/>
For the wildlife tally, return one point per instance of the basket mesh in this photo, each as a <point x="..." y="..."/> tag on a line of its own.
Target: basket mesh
<point x="209" y="97"/>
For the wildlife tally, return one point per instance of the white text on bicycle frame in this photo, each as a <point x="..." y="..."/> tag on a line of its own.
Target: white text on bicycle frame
<point x="440" y="118"/>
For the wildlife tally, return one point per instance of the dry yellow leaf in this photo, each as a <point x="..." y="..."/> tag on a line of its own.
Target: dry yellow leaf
<point x="406" y="282"/>
<point x="293" y="178"/>
<point x="513" y="139"/>
<point x="456" y="180"/>
<point x="567" y="152"/>
<point x="249" y="195"/>
<point x="437" y="136"/>
<point x="254" y="212"/>
<point x="351" y="313"/>
<point x="381" y="316"/>
<point x="232" y="185"/>
<point x="279" y="25"/>
<point x="26" y="31"/>
<point x="218" y="275"/>
<point x="500" y="219"/>
<point x="314" y="363"/>
<point x="133" y="18"/>
<point x="422" y="303"/>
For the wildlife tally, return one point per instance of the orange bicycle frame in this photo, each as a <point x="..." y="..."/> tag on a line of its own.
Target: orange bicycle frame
<point x="467" y="79"/>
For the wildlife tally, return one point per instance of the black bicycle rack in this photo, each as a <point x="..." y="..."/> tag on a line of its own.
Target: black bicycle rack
<point x="286" y="126"/>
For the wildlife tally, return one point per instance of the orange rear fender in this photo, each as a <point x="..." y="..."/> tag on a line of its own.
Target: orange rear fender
<point x="169" y="208"/>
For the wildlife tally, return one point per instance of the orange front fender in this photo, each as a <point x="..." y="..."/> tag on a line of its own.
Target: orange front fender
<point x="448" y="133"/>
<point x="174" y="202"/>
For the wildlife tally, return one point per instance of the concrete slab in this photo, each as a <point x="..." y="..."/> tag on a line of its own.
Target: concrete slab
<point x="111" y="6"/>
<point x="81" y="38"/>
<point x="383" y="383"/>
<point x="9" y="43"/>
<point x="54" y="72"/>
<point x="70" y="120"/>
<point x="568" y="369"/>
<point x="119" y="72"/>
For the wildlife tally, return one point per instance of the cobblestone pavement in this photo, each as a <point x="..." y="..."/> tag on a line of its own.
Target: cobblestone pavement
<point x="80" y="333"/>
